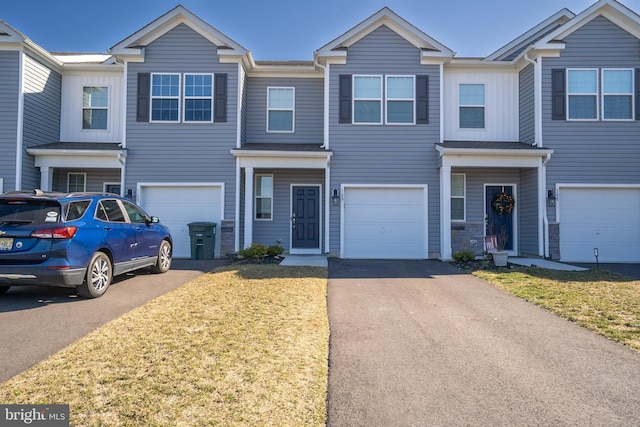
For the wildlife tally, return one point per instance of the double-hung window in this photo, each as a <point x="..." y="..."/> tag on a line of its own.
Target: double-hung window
<point x="165" y="97"/>
<point x="367" y="99"/>
<point x="264" y="197"/>
<point x="457" y="197"/>
<point x="280" y="109"/>
<point x="400" y="99"/>
<point x="471" y="99"/>
<point x="76" y="182"/>
<point x="95" y="104"/>
<point x="617" y="94"/>
<point x="198" y="97"/>
<point x="582" y="91"/>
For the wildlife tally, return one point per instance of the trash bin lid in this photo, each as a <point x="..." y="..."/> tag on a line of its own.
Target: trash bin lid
<point x="202" y="224"/>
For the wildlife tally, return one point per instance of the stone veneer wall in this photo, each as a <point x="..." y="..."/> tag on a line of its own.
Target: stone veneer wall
<point x="467" y="236"/>
<point x="227" y="237"/>
<point x="554" y="240"/>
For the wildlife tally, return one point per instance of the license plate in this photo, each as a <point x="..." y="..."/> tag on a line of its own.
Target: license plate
<point x="6" y="243"/>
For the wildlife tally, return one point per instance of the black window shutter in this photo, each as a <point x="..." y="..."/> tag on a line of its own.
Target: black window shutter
<point x="558" y="95"/>
<point x="637" y="93"/>
<point x="422" y="100"/>
<point x="345" y="98"/>
<point x="220" y="98"/>
<point x="143" y="97"/>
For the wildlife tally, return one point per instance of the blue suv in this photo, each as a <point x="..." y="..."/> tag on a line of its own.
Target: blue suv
<point x="77" y="240"/>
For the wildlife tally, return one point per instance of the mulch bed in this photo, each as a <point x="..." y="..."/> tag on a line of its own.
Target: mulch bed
<point x="262" y="260"/>
<point x="479" y="264"/>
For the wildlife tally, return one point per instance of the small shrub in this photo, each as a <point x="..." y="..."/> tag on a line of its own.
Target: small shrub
<point x="275" y="250"/>
<point x="464" y="256"/>
<point x="256" y="250"/>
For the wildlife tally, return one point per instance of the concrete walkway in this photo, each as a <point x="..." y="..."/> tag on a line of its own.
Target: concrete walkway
<point x="544" y="263"/>
<point x="305" y="260"/>
<point x="418" y="343"/>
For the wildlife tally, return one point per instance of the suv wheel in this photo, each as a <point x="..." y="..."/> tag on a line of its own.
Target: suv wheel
<point x="163" y="262"/>
<point x="98" y="279"/>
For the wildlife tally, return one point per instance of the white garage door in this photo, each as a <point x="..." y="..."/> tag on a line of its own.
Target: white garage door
<point x="603" y="218"/>
<point x="385" y="222"/>
<point x="178" y="205"/>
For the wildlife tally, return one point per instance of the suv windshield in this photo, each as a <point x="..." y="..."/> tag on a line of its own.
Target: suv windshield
<point x="25" y="211"/>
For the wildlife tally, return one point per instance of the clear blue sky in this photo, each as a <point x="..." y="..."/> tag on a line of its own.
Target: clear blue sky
<point x="282" y="29"/>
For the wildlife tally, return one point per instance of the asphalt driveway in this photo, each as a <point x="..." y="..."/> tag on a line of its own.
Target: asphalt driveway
<point x="418" y="343"/>
<point x="36" y="322"/>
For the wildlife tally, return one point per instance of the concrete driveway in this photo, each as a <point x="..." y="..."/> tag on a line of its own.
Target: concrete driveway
<point x="418" y="343"/>
<point x="36" y="322"/>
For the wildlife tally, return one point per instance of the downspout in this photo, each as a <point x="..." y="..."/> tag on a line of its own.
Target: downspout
<point x="325" y="145"/>
<point x="20" y="127"/>
<point x="325" y="69"/>
<point x="122" y="156"/>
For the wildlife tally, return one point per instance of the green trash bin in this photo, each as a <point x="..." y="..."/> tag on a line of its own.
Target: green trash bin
<point x="203" y="239"/>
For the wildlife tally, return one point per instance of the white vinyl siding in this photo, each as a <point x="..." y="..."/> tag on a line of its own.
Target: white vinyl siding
<point x="280" y="109"/>
<point x="582" y="94"/>
<point x="367" y="99"/>
<point x="400" y="99"/>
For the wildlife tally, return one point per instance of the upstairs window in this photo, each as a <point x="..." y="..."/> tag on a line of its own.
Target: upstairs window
<point x="165" y="97"/>
<point x="400" y="99"/>
<point x="457" y="197"/>
<point x="198" y="97"/>
<point x="367" y="99"/>
<point x="617" y="94"/>
<point x="472" y="106"/>
<point x="280" y="109"/>
<point x="264" y="197"/>
<point x="95" y="103"/>
<point x="582" y="91"/>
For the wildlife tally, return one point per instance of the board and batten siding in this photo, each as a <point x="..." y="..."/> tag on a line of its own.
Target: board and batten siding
<point x="72" y="95"/>
<point x="41" y="123"/>
<point x="308" y="112"/>
<point x="183" y="152"/>
<point x="385" y="154"/>
<point x="278" y="230"/>
<point x="501" y="105"/>
<point x="527" y="105"/>
<point x="595" y="152"/>
<point x="9" y="103"/>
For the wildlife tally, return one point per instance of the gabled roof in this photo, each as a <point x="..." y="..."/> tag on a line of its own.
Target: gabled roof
<point x="8" y="34"/>
<point x="428" y="46"/>
<point x="520" y="43"/>
<point x="134" y="44"/>
<point x="617" y="13"/>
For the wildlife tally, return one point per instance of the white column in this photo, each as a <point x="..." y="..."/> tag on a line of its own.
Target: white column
<point x="445" y="212"/>
<point x="248" y="206"/>
<point x="46" y="178"/>
<point x="327" y="205"/>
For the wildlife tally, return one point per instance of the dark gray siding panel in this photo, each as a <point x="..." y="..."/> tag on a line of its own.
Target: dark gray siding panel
<point x="595" y="151"/>
<point x="278" y="231"/>
<point x="384" y="154"/>
<point x="42" y="103"/>
<point x="309" y="103"/>
<point x="527" y="105"/>
<point x="9" y="98"/>
<point x="183" y="152"/>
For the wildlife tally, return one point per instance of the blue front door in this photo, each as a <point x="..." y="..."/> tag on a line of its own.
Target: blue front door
<point x="305" y="217"/>
<point x="499" y="225"/>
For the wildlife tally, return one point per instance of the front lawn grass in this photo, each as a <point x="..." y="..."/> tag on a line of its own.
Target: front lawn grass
<point x="604" y="302"/>
<point x="243" y="345"/>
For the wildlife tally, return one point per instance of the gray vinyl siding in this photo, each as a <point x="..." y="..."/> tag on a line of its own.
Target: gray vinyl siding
<point x="95" y="178"/>
<point x="527" y="105"/>
<point x="386" y="154"/>
<point x="308" y="112"/>
<point x="42" y="103"/>
<point x="243" y="108"/>
<point x="594" y="151"/>
<point x="278" y="231"/>
<point x="9" y="98"/>
<point x="183" y="152"/>
<point x="528" y="212"/>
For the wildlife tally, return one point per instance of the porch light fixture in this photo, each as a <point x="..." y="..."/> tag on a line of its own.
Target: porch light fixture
<point x="551" y="198"/>
<point x="335" y="196"/>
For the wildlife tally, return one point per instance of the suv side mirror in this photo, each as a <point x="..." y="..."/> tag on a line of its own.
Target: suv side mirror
<point x="155" y="219"/>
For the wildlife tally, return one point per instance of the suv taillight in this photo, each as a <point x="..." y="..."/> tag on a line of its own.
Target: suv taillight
<point x="55" y="233"/>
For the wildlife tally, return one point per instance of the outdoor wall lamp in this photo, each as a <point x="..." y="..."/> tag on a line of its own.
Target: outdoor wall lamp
<point x="335" y="196"/>
<point x="551" y="198"/>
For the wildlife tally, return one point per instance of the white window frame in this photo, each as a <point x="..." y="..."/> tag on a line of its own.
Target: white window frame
<point x="193" y="97"/>
<point x="84" y="182"/>
<point x="292" y="109"/>
<point x="178" y="97"/>
<point x="483" y="106"/>
<point x="630" y="94"/>
<point x="463" y="197"/>
<point x="594" y="94"/>
<point x="387" y="99"/>
<point x="108" y="88"/>
<point x="354" y="99"/>
<point x="260" y="197"/>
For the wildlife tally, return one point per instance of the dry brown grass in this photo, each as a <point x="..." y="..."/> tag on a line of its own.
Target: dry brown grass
<point x="244" y="345"/>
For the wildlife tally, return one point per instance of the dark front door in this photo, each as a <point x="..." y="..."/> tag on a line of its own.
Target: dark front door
<point x="305" y="217"/>
<point x="499" y="225"/>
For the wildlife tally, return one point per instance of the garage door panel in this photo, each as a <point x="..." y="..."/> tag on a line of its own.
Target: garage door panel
<point x="603" y="218"/>
<point x="384" y="223"/>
